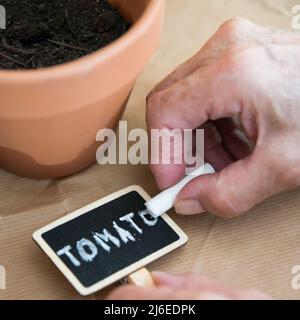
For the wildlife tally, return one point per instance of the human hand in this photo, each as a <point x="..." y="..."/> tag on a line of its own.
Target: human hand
<point x="247" y="73"/>
<point x="185" y="287"/>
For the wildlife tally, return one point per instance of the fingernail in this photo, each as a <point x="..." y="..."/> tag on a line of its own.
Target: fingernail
<point x="188" y="207"/>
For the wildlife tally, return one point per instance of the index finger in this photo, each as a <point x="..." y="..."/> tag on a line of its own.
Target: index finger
<point x="188" y="104"/>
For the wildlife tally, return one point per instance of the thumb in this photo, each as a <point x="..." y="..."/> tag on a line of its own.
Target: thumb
<point x="232" y="191"/>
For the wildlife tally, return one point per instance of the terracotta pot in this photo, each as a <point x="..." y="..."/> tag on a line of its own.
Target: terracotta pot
<point x="49" y="117"/>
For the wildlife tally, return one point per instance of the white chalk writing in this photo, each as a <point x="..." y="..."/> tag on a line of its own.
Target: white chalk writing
<point x="67" y="251"/>
<point x="81" y="247"/>
<point x="88" y="250"/>
<point x="124" y="234"/>
<point x="149" y="222"/>
<point x="129" y="218"/>
<point x="106" y="237"/>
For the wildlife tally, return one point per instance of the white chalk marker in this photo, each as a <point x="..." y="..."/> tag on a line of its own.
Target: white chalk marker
<point x="166" y="199"/>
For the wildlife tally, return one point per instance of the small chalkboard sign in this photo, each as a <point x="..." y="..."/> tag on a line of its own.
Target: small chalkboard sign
<point x="108" y="240"/>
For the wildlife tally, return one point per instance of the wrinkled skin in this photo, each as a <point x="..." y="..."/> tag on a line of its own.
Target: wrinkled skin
<point x="243" y="88"/>
<point x="247" y="73"/>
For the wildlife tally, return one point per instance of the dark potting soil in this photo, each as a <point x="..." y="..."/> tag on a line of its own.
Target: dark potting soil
<point x="43" y="33"/>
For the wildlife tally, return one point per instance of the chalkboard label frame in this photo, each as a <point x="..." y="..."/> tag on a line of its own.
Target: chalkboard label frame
<point x="38" y="238"/>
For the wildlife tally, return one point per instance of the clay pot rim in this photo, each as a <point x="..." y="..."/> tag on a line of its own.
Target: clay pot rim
<point x="88" y="62"/>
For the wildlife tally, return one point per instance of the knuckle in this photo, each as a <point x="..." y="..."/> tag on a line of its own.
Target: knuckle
<point x="225" y="208"/>
<point x="283" y="163"/>
<point x="240" y="62"/>
<point x="289" y="176"/>
<point x="232" y="28"/>
<point x="148" y="97"/>
<point x="151" y="107"/>
<point x="151" y="100"/>
<point x="236" y="24"/>
<point x="220" y="203"/>
<point x="157" y="110"/>
<point x="151" y="94"/>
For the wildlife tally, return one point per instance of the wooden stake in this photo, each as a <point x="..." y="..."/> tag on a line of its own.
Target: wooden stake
<point x="141" y="278"/>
